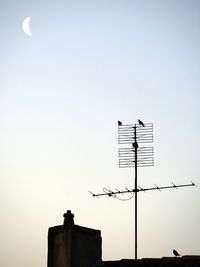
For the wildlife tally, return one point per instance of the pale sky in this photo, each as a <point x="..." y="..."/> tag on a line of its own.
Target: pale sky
<point x="62" y="90"/>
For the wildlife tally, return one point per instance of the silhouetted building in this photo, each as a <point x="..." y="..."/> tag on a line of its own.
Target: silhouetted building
<point x="71" y="245"/>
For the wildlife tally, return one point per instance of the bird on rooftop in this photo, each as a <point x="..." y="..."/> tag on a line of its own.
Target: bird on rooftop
<point x="176" y="253"/>
<point x="119" y="123"/>
<point x="141" y="123"/>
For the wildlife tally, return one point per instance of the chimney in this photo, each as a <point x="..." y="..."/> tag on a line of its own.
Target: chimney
<point x="71" y="245"/>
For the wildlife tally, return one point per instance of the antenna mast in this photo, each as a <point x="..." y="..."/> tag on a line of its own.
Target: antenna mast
<point x="135" y="156"/>
<point x="132" y="154"/>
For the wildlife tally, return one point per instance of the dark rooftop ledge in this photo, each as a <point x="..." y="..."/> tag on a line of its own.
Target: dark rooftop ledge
<point x="184" y="261"/>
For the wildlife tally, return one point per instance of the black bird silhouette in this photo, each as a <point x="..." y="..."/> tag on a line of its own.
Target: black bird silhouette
<point x="141" y="123"/>
<point x="176" y="253"/>
<point x="119" y="123"/>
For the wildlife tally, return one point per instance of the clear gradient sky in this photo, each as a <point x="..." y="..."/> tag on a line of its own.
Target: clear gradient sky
<point x="62" y="90"/>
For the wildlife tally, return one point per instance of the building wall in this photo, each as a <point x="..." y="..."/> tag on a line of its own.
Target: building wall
<point x="59" y="246"/>
<point x="86" y="247"/>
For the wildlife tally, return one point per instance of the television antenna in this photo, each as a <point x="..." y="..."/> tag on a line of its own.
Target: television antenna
<point x="131" y="136"/>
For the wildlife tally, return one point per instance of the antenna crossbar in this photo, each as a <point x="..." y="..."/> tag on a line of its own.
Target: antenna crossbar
<point x="110" y="193"/>
<point x="126" y="133"/>
<point x="144" y="157"/>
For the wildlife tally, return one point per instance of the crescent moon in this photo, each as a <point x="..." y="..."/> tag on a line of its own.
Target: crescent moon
<point x="26" y="26"/>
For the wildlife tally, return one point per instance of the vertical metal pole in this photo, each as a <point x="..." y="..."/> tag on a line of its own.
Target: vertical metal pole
<point x="136" y="146"/>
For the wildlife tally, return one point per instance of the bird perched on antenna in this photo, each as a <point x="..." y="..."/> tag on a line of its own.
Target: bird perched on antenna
<point x="176" y="253"/>
<point x="119" y="123"/>
<point x="141" y="123"/>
